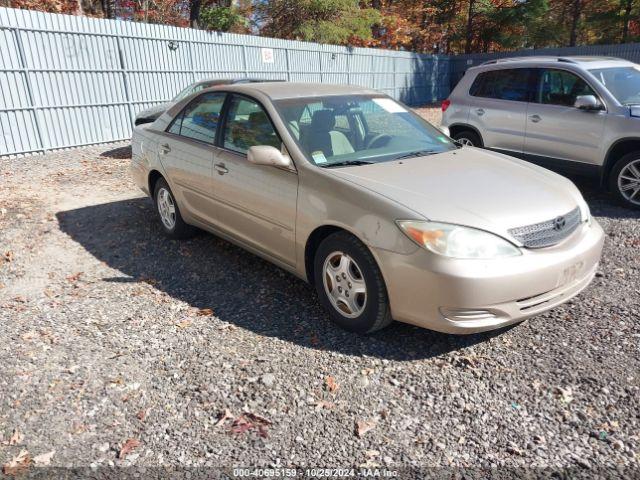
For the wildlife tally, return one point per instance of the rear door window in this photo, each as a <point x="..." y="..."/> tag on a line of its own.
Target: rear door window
<point x="508" y="84"/>
<point x="199" y="119"/>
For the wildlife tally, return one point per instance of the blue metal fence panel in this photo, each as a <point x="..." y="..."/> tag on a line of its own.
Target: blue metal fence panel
<point x="68" y="81"/>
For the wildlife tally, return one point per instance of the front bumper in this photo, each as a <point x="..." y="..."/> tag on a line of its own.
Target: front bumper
<point x="469" y="296"/>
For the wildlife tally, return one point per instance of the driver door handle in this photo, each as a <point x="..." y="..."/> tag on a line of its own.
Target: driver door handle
<point x="165" y="148"/>
<point x="220" y="168"/>
<point x="480" y="112"/>
<point x="535" y="118"/>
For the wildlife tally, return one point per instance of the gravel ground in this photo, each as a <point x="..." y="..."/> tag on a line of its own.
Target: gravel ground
<point x="119" y="347"/>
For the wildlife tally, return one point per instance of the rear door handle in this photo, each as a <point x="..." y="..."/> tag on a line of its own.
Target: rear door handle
<point x="480" y="112"/>
<point x="220" y="168"/>
<point x="165" y="148"/>
<point x="535" y="118"/>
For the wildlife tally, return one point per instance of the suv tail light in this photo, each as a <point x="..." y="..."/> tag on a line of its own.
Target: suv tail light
<point x="445" y="104"/>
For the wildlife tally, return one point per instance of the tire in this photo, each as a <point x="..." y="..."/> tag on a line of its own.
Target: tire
<point x="176" y="229"/>
<point x="370" y="311"/>
<point x="622" y="175"/>
<point x="467" y="137"/>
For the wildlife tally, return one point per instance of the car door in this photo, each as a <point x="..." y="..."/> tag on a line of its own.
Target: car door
<point x="558" y="130"/>
<point x="499" y="107"/>
<point x="186" y="152"/>
<point x="255" y="203"/>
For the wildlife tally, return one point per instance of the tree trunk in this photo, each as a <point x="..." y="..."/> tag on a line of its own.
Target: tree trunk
<point x="626" y="20"/>
<point x="194" y="13"/>
<point x="467" y="47"/>
<point x="575" y="17"/>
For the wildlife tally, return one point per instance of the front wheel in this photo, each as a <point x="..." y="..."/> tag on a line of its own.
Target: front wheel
<point x="349" y="284"/>
<point x="624" y="180"/>
<point x="468" y="138"/>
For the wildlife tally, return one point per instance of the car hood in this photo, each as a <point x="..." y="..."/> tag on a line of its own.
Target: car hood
<point x="471" y="187"/>
<point x="154" y="112"/>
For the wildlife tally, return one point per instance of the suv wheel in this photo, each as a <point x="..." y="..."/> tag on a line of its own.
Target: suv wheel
<point x="349" y="284"/>
<point x="624" y="180"/>
<point x="468" y="138"/>
<point x="171" y="221"/>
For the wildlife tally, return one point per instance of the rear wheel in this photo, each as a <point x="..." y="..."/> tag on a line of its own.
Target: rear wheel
<point x="349" y="284"/>
<point x="171" y="220"/>
<point x="624" y="180"/>
<point x="468" y="138"/>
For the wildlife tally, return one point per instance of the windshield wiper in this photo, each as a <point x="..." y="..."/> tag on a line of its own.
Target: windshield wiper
<point x="346" y="163"/>
<point x="417" y="153"/>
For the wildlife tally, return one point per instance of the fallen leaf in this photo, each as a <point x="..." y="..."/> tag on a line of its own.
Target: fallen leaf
<point x="129" y="446"/>
<point x="16" y="437"/>
<point x="75" y="277"/>
<point x="142" y="414"/>
<point x="44" y="458"/>
<point x="223" y="417"/>
<point x="250" y="421"/>
<point x="18" y="464"/>
<point x="184" y="323"/>
<point x="323" y="404"/>
<point x="564" y="394"/>
<point x="331" y="384"/>
<point x="204" y="312"/>
<point x="8" y="256"/>
<point x="364" y="426"/>
<point x="257" y="418"/>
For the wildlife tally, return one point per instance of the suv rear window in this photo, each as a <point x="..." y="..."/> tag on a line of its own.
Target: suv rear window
<point x="510" y="84"/>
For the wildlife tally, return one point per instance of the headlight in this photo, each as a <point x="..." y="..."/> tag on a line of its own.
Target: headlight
<point x="456" y="241"/>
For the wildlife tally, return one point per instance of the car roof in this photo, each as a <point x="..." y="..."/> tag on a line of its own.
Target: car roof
<point x="586" y="62"/>
<point x="280" y="90"/>
<point x="231" y="81"/>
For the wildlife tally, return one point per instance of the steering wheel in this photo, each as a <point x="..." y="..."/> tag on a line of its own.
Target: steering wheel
<point x="378" y="139"/>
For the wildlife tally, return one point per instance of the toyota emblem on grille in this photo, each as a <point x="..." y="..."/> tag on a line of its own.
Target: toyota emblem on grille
<point x="559" y="223"/>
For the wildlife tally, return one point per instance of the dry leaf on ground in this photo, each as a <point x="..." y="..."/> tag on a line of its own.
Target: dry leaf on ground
<point x="323" y="404"/>
<point x="364" y="426"/>
<point x="204" y="312"/>
<point x="44" y="458"/>
<point x="223" y="417"/>
<point x="16" y="437"/>
<point x="184" y="323"/>
<point x="331" y="384"/>
<point x="129" y="446"/>
<point x="18" y="464"/>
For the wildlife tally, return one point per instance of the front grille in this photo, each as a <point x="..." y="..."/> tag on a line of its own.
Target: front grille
<point x="551" y="232"/>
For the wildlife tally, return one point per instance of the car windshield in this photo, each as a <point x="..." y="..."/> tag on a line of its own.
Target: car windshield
<point x="358" y="129"/>
<point x="622" y="82"/>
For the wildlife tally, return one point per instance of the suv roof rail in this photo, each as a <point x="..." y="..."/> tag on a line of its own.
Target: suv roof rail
<point x="529" y="58"/>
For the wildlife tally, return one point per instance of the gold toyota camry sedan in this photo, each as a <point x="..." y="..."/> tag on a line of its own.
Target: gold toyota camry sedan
<point x="385" y="215"/>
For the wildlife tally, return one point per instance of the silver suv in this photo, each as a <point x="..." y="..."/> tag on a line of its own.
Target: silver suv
<point x="578" y="114"/>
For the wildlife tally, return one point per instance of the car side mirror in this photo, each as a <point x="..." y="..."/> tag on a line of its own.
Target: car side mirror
<point x="268" y="155"/>
<point x="587" y="102"/>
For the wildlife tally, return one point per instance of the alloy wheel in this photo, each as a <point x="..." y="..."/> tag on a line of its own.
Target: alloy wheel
<point x="166" y="208"/>
<point x="629" y="182"/>
<point x="465" y="141"/>
<point x="344" y="284"/>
